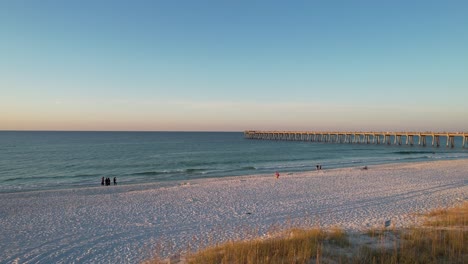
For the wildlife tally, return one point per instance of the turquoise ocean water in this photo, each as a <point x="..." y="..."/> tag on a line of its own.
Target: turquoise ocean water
<point x="31" y="161"/>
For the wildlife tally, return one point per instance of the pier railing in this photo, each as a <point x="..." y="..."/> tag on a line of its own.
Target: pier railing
<point x="397" y="138"/>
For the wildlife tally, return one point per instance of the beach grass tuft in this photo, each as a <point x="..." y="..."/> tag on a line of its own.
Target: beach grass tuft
<point x="375" y="232"/>
<point x="337" y="236"/>
<point x="457" y="216"/>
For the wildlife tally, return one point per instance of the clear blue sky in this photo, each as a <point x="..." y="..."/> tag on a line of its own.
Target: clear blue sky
<point x="233" y="65"/>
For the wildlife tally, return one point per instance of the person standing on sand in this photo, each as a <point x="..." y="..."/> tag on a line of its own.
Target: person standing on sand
<point x="115" y="181"/>
<point x="277" y="175"/>
<point x="102" y="181"/>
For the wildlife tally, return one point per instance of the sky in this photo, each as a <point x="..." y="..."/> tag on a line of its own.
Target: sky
<point x="233" y="65"/>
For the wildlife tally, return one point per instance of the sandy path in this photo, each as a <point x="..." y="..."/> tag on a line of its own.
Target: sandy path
<point x="124" y="224"/>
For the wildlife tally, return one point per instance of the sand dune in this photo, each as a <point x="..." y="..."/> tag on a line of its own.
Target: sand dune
<point x="126" y="224"/>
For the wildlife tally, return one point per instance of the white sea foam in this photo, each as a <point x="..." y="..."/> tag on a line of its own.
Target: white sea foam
<point x="126" y="224"/>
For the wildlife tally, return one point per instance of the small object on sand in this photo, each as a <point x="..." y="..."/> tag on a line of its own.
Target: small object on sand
<point x="249" y="213"/>
<point x="387" y="223"/>
<point x="365" y="168"/>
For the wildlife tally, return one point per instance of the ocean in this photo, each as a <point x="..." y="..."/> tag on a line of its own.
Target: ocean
<point x="44" y="160"/>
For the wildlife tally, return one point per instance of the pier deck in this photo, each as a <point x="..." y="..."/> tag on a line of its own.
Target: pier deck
<point x="397" y="138"/>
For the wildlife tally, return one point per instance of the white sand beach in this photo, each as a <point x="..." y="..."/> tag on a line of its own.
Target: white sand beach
<point x="127" y="224"/>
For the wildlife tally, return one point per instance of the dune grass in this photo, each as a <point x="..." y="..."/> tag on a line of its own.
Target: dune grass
<point x="298" y="246"/>
<point x="456" y="216"/>
<point x="419" y="245"/>
<point x="291" y="246"/>
<point x="443" y="238"/>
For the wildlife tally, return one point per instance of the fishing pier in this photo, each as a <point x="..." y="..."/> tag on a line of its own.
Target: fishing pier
<point x="397" y="138"/>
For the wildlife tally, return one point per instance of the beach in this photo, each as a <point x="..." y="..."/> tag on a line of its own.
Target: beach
<point x="131" y="223"/>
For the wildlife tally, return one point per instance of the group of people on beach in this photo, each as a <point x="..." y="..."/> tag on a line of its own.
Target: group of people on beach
<point x="318" y="166"/>
<point x="107" y="181"/>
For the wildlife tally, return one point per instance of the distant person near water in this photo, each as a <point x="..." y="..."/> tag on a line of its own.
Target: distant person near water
<point x="277" y="175"/>
<point x="107" y="181"/>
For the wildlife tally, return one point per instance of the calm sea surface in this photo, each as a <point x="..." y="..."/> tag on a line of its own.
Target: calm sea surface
<point x="50" y="160"/>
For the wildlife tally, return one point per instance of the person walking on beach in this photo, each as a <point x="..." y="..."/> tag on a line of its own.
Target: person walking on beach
<point x="277" y="175"/>
<point x="102" y="181"/>
<point x="115" y="181"/>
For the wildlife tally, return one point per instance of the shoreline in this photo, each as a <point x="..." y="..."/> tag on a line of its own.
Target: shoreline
<point x="128" y="180"/>
<point x="129" y="223"/>
<point x="176" y="182"/>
